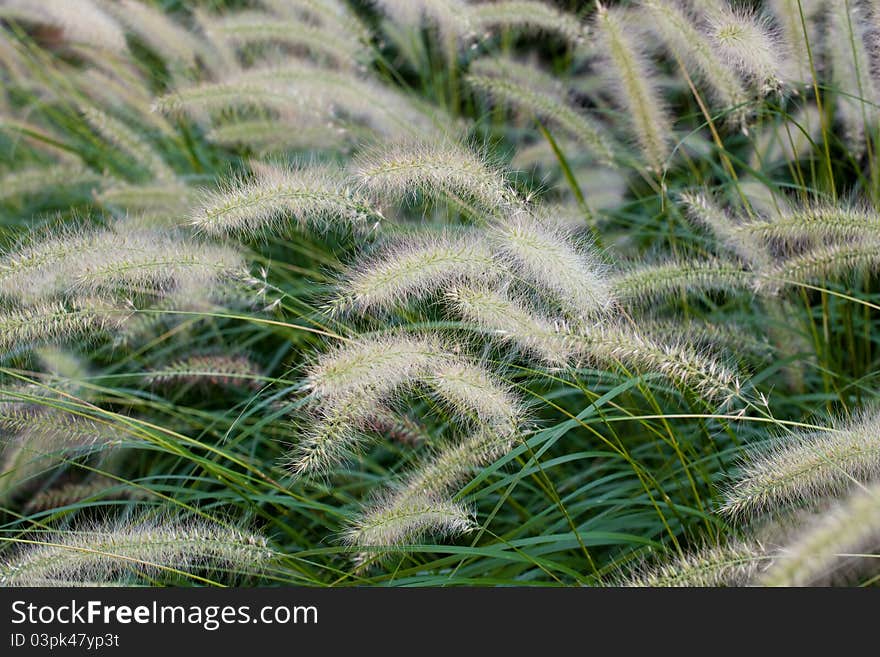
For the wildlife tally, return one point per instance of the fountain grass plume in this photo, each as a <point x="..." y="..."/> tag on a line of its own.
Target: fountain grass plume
<point x="533" y="91"/>
<point x="143" y="549"/>
<point x="646" y="284"/>
<point x="746" y="41"/>
<point x="856" y="90"/>
<point x="678" y="32"/>
<point x="510" y="320"/>
<point x="136" y="261"/>
<point x="129" y="142"/>
<point x="175" y="44"/>
<point x="547" y="256"/>
<point x="527" y="15"/>
<point x="83" y="24"/>
<point x="835" y="545"/>
<point x="736" y="563"/>
<point x="702" y="210"/>
<point x="443" y="170"/>
<point x="277" y="196"/>
<point x="631" y="79"/>
<point x="397" y="525"/>
<point x="250" y="28"/>
<point x="807" y="466"/>
<point x="616" y="345"/>
<point x="348" y="383"/>
<point x="410" y="269"/>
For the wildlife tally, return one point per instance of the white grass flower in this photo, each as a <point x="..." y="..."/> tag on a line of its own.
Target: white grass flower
<point x="166" y="37"/>
<point x="843" y="538"/>
<point x="631" y="78"/>
<point x="509" y="320"/>
<point x="646" y="284"/>
<point x="551" y="260"/>
<point x="526" y="15"/>
<point x="410" y="269"/>
<point x="244" y="29"/>
<point x="807" y="466"/>
<point x="746" y="41"/>
<point x="108" y="551"/>
<point x="407" y="522"/>
<point x="699" y="57"/>
<point x="533" y="91"/>
<point x="736" y="563"/>
<point x="83" y="23"/>
<point x="856" y="91"/>
<point x="443" y="170"/>
<point x="129" y="142"/>
<point x="278" y="196"/>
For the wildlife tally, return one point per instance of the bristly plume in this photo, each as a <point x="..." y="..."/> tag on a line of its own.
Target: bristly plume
<point x="497" y="314"/>
<point x="410" y="269"/>
<point x="526" y="15"/>
<point x="834" y="547"/>
<point x="745" y="41"/>
<point x="807" y="466"/>
<point x="734" y="564"/>
<point x="129" y="142"/>
<point x="405" y="523"/>
<point x="698" y="56"/>
<point x="534" y="91"/>
<point x="278" y="196"/>
<point x="630" y="78"/>
<point x="646" y="284"/>
<point x="440" y="170"/>
<point x="548" y="258"/>
<point x="147" y="548"/>
<point x="167" y="38"/>
<point x="856" y="91"/>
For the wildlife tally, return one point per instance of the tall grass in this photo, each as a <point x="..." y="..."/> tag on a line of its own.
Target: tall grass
<point x="445" y="292"/>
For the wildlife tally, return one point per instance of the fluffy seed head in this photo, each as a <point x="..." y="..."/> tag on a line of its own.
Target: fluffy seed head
<point x="807" y="466"/>
<point x="746" y="42"/>
<point x="407" y="522"/>
<point x="533" y="91"/>
<point x="630" y="78"/>
<point x="445" y="171"/>
<point x="109" y="551"/>
<point x="547" y="258"/>
<point x="733" y="564"/>
<point x="411" y="269"/>
<point x="313" y="196"/>
<point x="680" y="35"/>
<point x="831" y="544"/>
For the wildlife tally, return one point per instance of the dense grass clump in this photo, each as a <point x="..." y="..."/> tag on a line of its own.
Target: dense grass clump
<point x="439" y="292"/>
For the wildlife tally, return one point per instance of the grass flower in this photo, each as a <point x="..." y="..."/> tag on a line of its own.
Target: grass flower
<point x="807" y="466"/>
<point x="277" y="196"/>
<point x="700" y="58"/>
<point x="409" y="270"/>
<point x="144" y="549"/>
<point x="734" y="564"/>
<point x="529" y="89"/>
<point x="836" y="541"/>
<point x="632" y="81"/>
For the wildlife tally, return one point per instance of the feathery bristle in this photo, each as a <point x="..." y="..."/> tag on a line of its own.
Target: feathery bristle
<point x="108" y="551"/>
<point x="411" y="269"/>
<point x="447" y="171"/>
<point x="734" y="564"/>
<point x="697" y="54"/>
<point x="315" y="196"/>
<point x="530" y="89"/>
<point x="745" y="41"/>
<point x="807" y="466"/>
<point x="631" y="80"/>
<point x="835" y="541"/>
